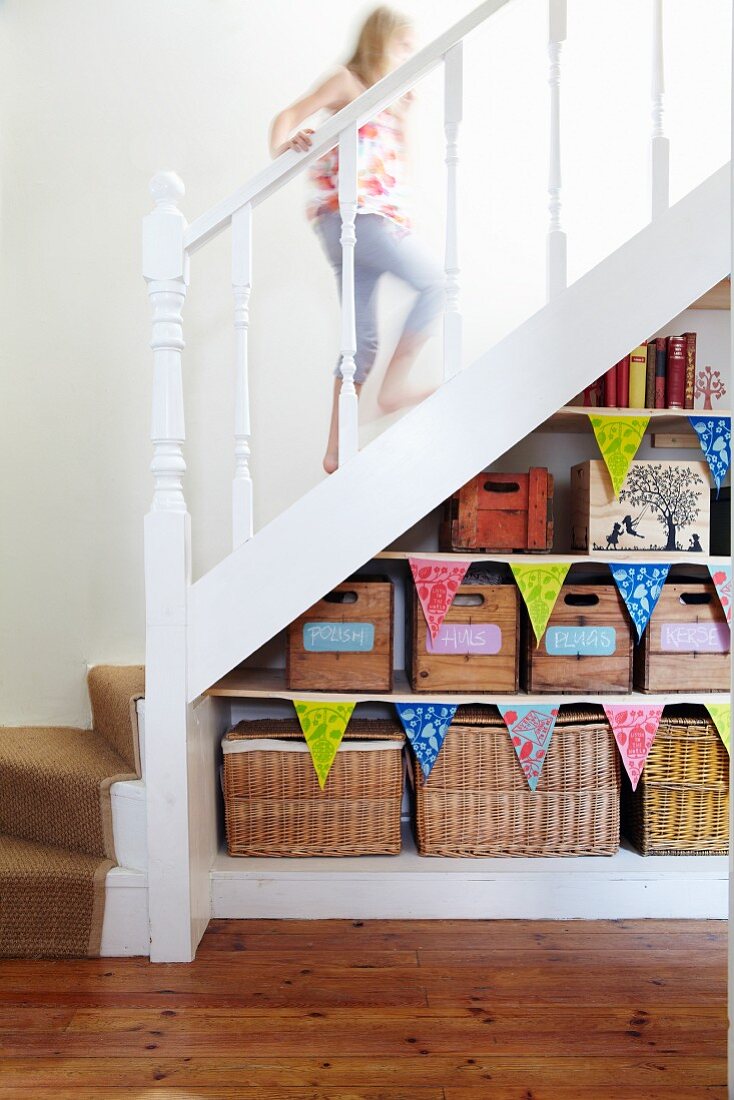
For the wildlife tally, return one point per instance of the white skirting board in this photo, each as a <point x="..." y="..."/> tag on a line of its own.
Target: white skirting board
<point x="624" y="886"/>
<point x="125" y="926"/>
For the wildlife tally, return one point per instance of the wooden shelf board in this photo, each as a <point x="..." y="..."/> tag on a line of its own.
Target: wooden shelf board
<point x="575" y="418"/>
<point x="259" y="683"/>
<point x="594" y="558"/>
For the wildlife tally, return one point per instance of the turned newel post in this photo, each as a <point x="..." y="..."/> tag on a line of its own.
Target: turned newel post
<point x="242" y="521"/>
<point x="348" y="407"/>
<point x="556" y="263"/>
<point x="659" y="145"/>
<point x="167" y="552"/>
<point x="453" y="110"/>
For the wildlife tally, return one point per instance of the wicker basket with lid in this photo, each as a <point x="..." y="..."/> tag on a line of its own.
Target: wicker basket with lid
<point x="477" y="802"/>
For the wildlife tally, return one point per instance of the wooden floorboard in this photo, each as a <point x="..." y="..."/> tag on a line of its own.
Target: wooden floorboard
<point x="381" y="1010"/>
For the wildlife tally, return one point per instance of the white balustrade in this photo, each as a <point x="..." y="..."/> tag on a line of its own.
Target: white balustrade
<point x="556" y="260"/>
<point x="348" y="403"/>
<point x="453" y="112"/>
<point x="242" y="508"/>
<point x="659" y="144"/>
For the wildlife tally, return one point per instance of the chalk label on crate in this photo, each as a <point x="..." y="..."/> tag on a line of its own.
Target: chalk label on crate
<point x="580" y="641"/>
<point x="339" y="637"/>
<point x="463" y="638"/>
<point x="695" y="637"/>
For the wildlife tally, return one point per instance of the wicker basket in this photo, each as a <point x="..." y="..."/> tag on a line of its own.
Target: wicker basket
<point x="476" y="801"/>
<point x="681" y="805"/>
<point x="275" y="807"/>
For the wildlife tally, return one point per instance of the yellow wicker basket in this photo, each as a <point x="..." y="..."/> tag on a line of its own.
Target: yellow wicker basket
<point x="681" y="805"/>
<point x="476" y="801"/>
<point x="274" y="805"/>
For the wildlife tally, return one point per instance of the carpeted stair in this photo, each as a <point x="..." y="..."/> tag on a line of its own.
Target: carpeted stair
<point x="56" y="843"/>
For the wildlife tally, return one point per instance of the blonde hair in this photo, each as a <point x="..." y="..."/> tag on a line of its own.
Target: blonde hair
<point x="369" y="60"/>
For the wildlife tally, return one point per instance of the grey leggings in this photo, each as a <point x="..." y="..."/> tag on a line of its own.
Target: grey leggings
<point x="382" y="246"/>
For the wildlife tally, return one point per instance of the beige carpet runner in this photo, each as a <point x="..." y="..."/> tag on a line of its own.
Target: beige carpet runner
<point x="56" y="843"/>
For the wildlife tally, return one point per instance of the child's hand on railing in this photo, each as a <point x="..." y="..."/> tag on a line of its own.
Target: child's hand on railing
<point x="301" y="142"/>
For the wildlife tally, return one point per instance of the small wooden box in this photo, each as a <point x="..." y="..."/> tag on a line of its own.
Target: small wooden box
<point x="345" y="641"/>
<point x="642" y="518"/>
<point x="477" y="648"/>
<point x="686" y="645"/>
<point x="500" y="512"/>
<point x="587" y="645"/>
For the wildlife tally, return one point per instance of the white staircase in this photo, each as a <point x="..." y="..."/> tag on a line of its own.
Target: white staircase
<point x="198" y="631"/>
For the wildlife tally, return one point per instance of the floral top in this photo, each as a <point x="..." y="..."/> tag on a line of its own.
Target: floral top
<point x="381" y="186"/>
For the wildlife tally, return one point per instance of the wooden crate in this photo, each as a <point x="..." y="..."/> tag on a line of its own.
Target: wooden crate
<point x="637" y="521"/>
<point x="345" y="641"/>
<point x="500" y="512"/>
<point x="587" y="645"/>
<point x="477" y="648"/>
<point x="687" y="644"/>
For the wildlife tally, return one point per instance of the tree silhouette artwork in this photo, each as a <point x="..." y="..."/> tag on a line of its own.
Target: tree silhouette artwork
<point x="708" y="385"/>
<point x="668" y="491"/>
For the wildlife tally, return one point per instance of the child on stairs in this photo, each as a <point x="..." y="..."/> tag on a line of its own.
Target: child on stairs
<point x="385" y="240"/>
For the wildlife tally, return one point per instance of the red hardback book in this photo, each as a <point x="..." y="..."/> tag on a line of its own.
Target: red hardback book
<point x="690" y="369"/>
<point x="610" y="387"/>
<point x="676" y="372"/>
<point x="650" y="379"/>
<point x="623" y="383"/>
<point x="661" y="355"/>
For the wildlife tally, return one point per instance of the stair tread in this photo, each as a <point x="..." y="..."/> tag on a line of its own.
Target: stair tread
<point x="27" y="857"/>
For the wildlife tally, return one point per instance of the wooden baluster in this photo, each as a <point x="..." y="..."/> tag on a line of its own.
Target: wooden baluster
<point x="453" y="110"/>
<point x="348" y="403"/>
<point x="167" y="539"/>
<point x="242" y="518"/>
<point x="555" y="257"/>
<point x="659" y="144"/>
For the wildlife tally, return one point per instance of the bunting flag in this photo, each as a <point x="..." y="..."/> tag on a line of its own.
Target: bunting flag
<point x="436" y="583"/>
<point x="618" y="438"/>
<point x="530" y="729"/>
<point x="714" y="435"/>
<point x="426" y="725"/>
<point x="640" y="587"/>
<point x="721" y="576"/>
<point x="323" y="726"/>
<point x="721" y="717"/>
<point x="539" y="586"/>
<point x="634" y="730"/>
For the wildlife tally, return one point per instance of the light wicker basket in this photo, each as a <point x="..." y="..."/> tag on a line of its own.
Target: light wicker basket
<point x="681" y="805"/>
<point x="476" y="801"/>
<point x="274" y="805"/>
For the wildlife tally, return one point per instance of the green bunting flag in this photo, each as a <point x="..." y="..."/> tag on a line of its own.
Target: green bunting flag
<point x="618" y="438"/>
<point x="721" y="717"/>
<point x="323" y="726"/>
<point x="539" y="586"/>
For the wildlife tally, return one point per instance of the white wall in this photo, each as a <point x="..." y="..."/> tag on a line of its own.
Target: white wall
<point x="95" y="96"/>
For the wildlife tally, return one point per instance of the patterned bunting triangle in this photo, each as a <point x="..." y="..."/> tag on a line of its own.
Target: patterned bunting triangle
<point x="640" y="587"/>
<point x="714" y="435"/>
<point x="323" y="726"/>
<point x="531" y="730"/>
<point x="426" y="725"/>
<point x="436" y="583"/>
<point x="618" y="438"/>
<point x="721" y="576"/>
<point x="539" y="586"/>
<point x="721" y="717"/>
<point x="634" y="730"/>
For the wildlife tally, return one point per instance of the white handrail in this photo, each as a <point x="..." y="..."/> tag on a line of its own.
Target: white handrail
<point x="370" y="103"/>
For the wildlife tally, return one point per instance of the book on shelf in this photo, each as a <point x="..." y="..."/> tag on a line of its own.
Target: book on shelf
<point x="690" y="384"/>
<point x="623" y="383"/>
<point x="650" y="375"/>
<point x="675" y="383"/>
<point x="637" y="377"/>
<point x="661" y="360"/>
<point x="610" y="387"/>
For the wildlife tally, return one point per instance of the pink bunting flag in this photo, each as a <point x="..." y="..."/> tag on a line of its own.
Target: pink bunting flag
<point x="634" y="730"/>
<point x="436" y="583"/>
<point x="721" y="576"/>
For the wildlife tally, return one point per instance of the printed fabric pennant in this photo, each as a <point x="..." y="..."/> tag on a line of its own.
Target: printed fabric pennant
<point x="426" y="725"/>
<point x="721" y="576"/>
<point x="323" y="726"/>
<point x="539" y="586"/>
<point x="640" y="587"/>
<point x="634" y="730"/>
<point x="721" y="717"/>
<point x="531" y="730"/>
<point x="436" y="583"/>
<point x="618" y="438"/>
<point x="714" y="435"/>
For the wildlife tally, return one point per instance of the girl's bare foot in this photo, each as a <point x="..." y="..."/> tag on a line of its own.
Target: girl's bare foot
<point x="392" y="400"/>
<point x="331" y="462"/>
